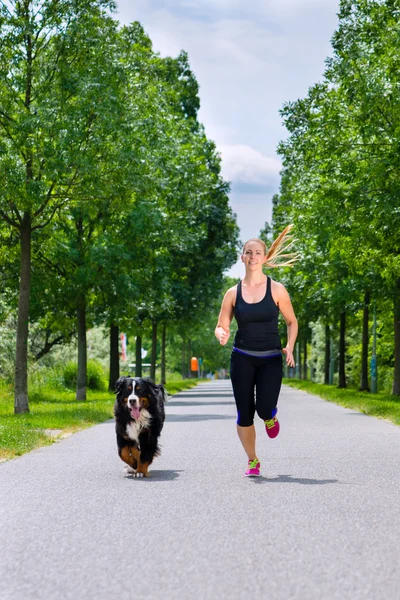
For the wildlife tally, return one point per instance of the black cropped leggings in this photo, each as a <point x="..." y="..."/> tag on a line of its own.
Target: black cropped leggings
<point x="262" y="375"/>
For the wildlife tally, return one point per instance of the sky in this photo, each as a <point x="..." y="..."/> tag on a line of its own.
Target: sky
<point x="249" y="58"/>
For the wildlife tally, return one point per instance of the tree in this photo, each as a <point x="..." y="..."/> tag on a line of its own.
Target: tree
<point x="56" y="82"/>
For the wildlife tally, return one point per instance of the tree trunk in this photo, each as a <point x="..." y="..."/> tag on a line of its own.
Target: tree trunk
<point x="300" y="360"/>
<point x="396" y="374"/>
<point x="364" y="386"/>
<point x="342" y="351"/>
<point x="189" y="357"/>
<point x="114" y="357"/>
<point x="163" y="349"/>
<point x="21" y="403"/>
<point x="138" y="367"/>
<point x="305" y="365"/>
<point x="82" y="348"/>
<point x="183" y="358"/>
<point x="327" y="353"/>
<point x="153" y="351"/>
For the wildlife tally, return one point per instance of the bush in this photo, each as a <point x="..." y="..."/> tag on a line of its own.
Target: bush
<point x="46" y="377"/>
<point x="7" y="349"/>
<point x="96" y="378"/>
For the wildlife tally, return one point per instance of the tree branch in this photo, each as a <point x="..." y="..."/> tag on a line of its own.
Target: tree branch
<point x="45" y="203"/>
<point x="4" y="114"/>
<point x="13" y="141"/>
<point x="49" y="345"/>
<point x="6" y="7"/>
<point x="53" y="267"/>
<point x="53" y="212"/>
<point x="10" y="221"/>
<point x="52" y="73"/>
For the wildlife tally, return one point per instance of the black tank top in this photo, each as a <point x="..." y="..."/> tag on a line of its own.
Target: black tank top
<point x="257" y="323"/>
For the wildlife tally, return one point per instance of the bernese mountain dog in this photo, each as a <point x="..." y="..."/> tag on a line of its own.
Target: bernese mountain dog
<point x="139" y="418"/>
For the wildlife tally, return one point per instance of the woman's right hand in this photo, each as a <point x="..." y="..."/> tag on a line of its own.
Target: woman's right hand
<point x="222" y="335"/>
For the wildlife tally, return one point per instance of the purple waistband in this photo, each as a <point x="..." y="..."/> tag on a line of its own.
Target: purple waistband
<point x="259" y="353"/>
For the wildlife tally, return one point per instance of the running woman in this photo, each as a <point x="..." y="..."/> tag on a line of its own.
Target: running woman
<point x="256" y="359"/>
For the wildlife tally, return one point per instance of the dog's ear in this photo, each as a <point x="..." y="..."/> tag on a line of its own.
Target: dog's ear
<point x="158" y="390"/>
<point x="163" y="392"/>
<point x="119" y="384"/>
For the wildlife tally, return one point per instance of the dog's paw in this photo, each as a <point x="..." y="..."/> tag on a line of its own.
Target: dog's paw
<point x="128" y="470"/>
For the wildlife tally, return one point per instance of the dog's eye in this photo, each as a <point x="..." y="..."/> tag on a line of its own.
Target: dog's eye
<point x="129" y="388"/>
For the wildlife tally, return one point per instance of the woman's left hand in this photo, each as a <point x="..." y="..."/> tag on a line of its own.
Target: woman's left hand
<point x="289" y="357"/>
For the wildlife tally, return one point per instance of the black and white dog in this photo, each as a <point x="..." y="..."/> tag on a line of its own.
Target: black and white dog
<point x="139" y="418"/>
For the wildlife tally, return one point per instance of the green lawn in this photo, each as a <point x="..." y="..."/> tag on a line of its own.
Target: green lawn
<point x="380" y="405"/>
<point x="54" y="414"/>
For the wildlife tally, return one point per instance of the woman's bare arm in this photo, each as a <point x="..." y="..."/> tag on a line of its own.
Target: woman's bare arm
<point x="286" y="308"/>
<point x="222" y="331"/>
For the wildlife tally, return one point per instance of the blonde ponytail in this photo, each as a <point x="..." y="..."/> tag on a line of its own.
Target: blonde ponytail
<point x="279" y="250"/>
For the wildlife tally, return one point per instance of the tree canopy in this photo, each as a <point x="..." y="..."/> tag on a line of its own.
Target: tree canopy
<point x="113" y="208"/>
<point x="339" y="180"/>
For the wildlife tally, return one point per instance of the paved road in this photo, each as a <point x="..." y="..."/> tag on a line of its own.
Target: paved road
<point x="321" y="524"/>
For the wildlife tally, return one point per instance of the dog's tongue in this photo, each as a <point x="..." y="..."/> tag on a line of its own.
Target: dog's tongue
<point x="135" y="413"/>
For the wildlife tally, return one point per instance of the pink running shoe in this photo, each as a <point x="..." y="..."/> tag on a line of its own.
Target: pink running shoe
<point x="272" y="425"/>
<point x="253" y="469"/>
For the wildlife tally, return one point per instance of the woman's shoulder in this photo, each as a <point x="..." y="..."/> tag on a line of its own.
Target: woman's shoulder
<point x="277" y="288"/>
<point x="276" y="284"/>
<point x="230" y="295"/>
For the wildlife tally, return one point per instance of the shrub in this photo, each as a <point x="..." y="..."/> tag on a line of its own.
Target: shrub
<point x="46" y="377"/>
<point x="96" y="378"/>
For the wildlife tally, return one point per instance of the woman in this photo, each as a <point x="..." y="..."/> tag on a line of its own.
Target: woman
<point x="256" y="360"/>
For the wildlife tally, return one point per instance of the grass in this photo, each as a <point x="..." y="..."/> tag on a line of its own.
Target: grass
<point x="381" y="405"/>
<point x="54" y="414"/>
<point x="173" y="387"/>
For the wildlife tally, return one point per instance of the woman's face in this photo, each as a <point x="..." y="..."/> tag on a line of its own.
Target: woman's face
<point x="253" y="255"/>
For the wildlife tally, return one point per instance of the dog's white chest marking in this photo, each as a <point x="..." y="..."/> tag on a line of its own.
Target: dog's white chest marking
<point x="132" y="432"/>
<point x="133" y="429"/>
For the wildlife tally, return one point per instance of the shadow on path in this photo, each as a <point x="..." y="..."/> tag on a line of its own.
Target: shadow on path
<point x="290" y="479"/>
<point x="184" y="418"/>
<point x="187" y="403"/>
<point x="157" y="475"/>
<point x="211" y="395"/>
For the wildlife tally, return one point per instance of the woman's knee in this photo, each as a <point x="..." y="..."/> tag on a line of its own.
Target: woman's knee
<point x="244" y="420"/>
<point x="266" y="413"/>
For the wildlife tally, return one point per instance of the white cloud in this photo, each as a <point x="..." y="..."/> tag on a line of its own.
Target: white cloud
<point x="245" y="164"/>
<point x="221" y="135"/>
<point x="249" y="59"/>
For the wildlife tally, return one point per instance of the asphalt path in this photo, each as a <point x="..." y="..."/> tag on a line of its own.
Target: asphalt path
<point x="322" y="523"/>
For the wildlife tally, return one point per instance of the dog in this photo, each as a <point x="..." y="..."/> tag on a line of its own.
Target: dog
<point x="139" y="418"/>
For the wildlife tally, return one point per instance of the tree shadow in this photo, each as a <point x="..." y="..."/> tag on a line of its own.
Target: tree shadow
<point x="187" y="403"/>
<point x="184" y="418"/>
<point x="207" y="395"/>
<point x="290" y="479"/>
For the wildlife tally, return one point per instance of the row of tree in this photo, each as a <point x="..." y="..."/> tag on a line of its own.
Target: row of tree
<point x="113" y="210"/>
<point x="341" y="187"/>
